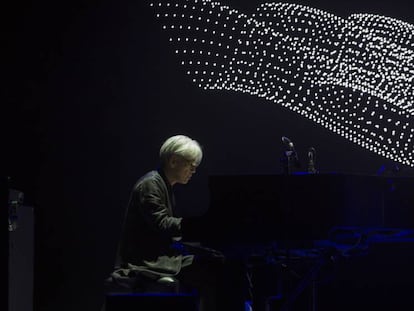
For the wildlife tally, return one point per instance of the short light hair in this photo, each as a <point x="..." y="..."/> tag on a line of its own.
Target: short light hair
<point x="181" y="145"/>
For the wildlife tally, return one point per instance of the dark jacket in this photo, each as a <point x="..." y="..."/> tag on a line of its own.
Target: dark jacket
<point x="150" y="228"/>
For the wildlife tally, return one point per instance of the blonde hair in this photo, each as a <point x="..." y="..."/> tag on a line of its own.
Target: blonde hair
<point x="181" y="145"/>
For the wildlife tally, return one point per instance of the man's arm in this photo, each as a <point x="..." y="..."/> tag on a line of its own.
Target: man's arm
<point x="154" y="207"/>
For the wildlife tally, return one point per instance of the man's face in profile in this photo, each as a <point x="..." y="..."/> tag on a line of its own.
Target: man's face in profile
<point x="182" y="169"/>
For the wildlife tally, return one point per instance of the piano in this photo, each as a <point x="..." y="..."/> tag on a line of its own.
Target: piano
<point x="260" y="209"/>
<point x="250" y="214"/>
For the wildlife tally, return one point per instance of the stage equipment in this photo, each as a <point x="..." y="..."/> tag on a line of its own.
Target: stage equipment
<point x="21" y="252"/>
<point x="299" y="233"/>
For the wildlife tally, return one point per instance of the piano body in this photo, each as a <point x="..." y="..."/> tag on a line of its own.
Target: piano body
<point x="247" y="213"/>
<point x="249" y="209"/>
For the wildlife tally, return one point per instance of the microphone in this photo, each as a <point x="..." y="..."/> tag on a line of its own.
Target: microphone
<point x="291" y="154"/>
<point x="311" y="161"/>
<point x="288" y="142"/>
<point x="311" y="153"/>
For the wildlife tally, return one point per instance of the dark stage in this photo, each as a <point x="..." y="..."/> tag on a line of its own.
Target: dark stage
<point x="91" y="88"/>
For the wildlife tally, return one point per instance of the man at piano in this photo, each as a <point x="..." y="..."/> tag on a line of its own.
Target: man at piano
<point x="150" y="246"/>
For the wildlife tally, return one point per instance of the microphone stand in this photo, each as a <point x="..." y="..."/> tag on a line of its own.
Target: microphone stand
<point x="311" y="161"/>
<point x="289" y="161"/>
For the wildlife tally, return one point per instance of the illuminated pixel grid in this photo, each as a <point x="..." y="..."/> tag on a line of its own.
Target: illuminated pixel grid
<point x="353" y="76"/>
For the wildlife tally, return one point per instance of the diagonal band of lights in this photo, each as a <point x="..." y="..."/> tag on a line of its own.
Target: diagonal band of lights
<point x="353" y="76"/>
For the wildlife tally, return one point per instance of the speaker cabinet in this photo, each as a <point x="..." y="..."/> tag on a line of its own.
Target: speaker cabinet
<point x="21" y="255"/>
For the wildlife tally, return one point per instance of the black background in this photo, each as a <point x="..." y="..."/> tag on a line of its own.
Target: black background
<point x="90" y="90"/>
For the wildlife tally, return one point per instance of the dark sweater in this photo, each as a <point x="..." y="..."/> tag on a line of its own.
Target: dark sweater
<point x="150" y="226"/>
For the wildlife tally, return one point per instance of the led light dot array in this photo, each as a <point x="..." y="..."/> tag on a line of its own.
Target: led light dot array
<point x="353" y="76"/>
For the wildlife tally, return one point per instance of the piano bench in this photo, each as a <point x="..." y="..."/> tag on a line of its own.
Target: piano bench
<point x="151" y="301"/>
<point x="163" y="294"/>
